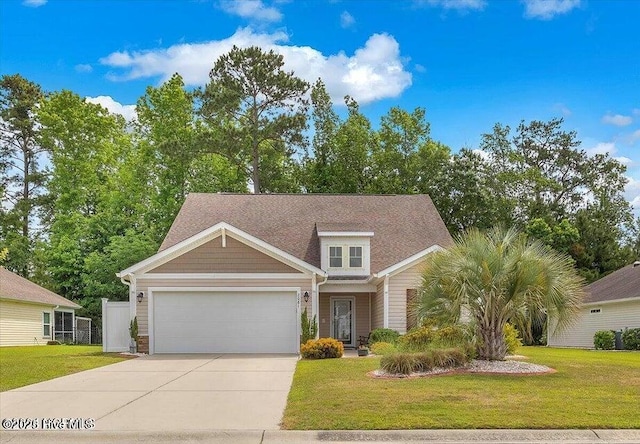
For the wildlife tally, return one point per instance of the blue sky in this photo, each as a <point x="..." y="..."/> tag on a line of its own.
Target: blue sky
<point x="470" y="63"/>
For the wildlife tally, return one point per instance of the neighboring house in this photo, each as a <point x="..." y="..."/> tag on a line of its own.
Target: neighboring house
<point x="32" y="315"/>
<point x="235" y="270"/>
<point x="612" y="303"/>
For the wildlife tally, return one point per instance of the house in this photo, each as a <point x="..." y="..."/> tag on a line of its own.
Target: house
<point x="235" y="270"/>
<point x="612" y="303"/>
<point x="32" y="315"/>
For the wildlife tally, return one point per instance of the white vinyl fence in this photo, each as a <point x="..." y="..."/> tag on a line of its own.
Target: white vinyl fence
<point x="115" y="326"/>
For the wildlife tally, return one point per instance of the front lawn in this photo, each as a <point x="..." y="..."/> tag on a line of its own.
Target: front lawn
<point x="20" y="366"/>
<point x="591" y="389"/>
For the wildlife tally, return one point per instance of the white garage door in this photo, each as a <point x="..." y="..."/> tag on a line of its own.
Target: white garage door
<point x="225" y="322"/>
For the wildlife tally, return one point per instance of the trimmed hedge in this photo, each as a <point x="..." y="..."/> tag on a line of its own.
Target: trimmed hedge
<point x="604" y="340"/>
<point x="322" y="348"/>
<point x="407" y="363"/>
<point x="631" y="339"/>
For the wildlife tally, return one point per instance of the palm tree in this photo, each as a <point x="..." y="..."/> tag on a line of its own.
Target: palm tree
<point x="499" y="277"/>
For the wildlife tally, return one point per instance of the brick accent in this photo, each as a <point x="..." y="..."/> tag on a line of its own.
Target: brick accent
<point x="143" y="344"/>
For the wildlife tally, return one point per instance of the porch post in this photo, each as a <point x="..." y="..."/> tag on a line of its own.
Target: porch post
<point x="386" y="302"/>
<point x="315" y="294"/>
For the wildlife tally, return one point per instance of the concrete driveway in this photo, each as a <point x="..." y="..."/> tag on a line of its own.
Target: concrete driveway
<point x="165" y="393"/>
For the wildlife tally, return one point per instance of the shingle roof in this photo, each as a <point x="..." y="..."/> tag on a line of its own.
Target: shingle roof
<point x="403" y="225"/>
<point x="18" y="288"/>
<point x="621" y="284"/>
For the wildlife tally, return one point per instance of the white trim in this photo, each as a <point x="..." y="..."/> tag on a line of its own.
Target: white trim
<point x="314" y="296"/>
<point x="133" y="298"/>
<point x="151" y="314"/>
<point x="345" y="233"/>
<point x="385" y="299"/>
<point x="588" y="304"/>
<point x="211" y="233"/>
<point x="50" y="324"/>
<point x="43" y="304"/>
<point x="341" y="287"/>
<point x="104" y="324"/>
<point x="332" y="299"/>
<point x="408" y="262"/>
<point x="221" y="276"/>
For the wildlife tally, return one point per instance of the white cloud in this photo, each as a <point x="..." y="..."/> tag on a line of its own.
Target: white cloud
<point x="251" y="9"/>
<point x="635" y="136"/>
<point x="617" y="119"/>
<point x="127" y="111"/>
<point x="347" y="20"/>
<point x="460" y="5"/>
<point x="34" y="3"/>
<point x="602" y="148"/>
<point x="548" y="9"/>
<point x="562" y="109"/>
<point x="632" y="192"/>
<point x="419" y="68"/>
<point x="83" y="68"/>
<point x="375" y="71"/>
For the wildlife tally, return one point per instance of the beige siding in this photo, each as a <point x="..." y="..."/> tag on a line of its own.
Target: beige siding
<point x="21" y="323"/>
<point x="304" y="283"/>
<point x="236" y="257"/>
<point x="377" y="307"/>
<point x="612" y="316"/>
<point x="398" y="286"/>
<point x="363" y="323"/>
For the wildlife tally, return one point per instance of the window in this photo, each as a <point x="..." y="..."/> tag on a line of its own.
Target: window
<point x="355" y="257"/>
<point x="335" y="257"/>
<point x="46" y="324"/>
<point x="595" y="310"/>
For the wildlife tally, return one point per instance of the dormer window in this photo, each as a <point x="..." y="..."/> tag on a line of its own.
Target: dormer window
<point x="355" y="257"/>
<point x="345" y="248"/>
<point x="335" y="257"/>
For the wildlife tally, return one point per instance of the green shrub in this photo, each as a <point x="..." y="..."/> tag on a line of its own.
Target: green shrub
<point x="383" y="348"/>
<point x="604" y="340"/>
<point x="398" y="363"/>
<point x="383" y="335"/>
<point x="417" y="339"/>
<point x="631" y="339"/>
<point x="407" y="363"/>
<point x="449" y="357"/>
<point x="322" y="348"/>
<point x="309" y="327"/>
<point x="512" y="338"/>
<point x="424" y="362"/>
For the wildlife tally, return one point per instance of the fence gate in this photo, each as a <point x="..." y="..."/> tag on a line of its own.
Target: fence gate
<point x="83" y="330"/>
<point x="115" y="326"/>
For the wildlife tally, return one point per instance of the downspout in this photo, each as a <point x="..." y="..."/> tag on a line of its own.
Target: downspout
<point x="132" y="289"/>
<point x="316" y="302"/>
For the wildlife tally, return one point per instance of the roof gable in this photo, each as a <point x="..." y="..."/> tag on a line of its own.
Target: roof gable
<point x="403" y="225"/>
<point x="621" y="284"/>
<point x="221" y="229"/>
<point x="19" y="289"/>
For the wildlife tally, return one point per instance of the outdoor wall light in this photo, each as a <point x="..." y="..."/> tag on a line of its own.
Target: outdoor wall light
<point x="306" y="296"/>
<point x="140" y="296"/>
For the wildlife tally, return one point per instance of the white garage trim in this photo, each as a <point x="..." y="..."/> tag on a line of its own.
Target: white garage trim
<point x="152" y="290"/>
<point x="217" y="276"/>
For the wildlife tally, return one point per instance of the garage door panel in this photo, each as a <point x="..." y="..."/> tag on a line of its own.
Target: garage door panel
<point x="230" y="322"/>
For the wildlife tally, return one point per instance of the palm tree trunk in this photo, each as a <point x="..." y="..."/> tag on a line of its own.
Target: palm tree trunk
<point x="492" y="346"/>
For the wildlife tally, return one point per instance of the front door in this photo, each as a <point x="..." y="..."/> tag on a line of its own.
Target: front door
<point x="342" y="320"/>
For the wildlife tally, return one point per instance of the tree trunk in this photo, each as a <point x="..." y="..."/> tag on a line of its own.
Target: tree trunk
<point x="493" y="346"/>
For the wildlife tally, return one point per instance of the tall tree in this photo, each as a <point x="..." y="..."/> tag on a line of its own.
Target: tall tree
<point x="254" y="105"/>
<point x="395" y="161"/>
<point x="499" y="277"/>
<point x="545" y="172"/>
<point x="319" y="174"/>
<point x="22" y="179"/>
<point x="87" y="146"/>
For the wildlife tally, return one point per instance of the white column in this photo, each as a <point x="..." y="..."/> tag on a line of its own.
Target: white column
<point x="386" y="302"/>
<point x="315" y="295"/>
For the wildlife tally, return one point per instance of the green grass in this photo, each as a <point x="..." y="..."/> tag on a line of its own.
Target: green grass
<point x="20" y="366"/>
<point x="591" y="389"/>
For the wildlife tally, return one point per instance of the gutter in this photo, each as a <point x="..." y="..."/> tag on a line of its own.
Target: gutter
<point x="316" y="301"/>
